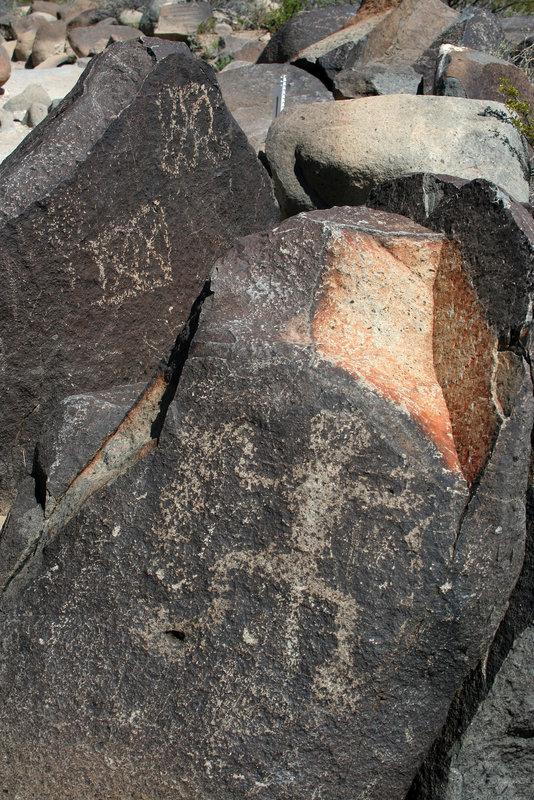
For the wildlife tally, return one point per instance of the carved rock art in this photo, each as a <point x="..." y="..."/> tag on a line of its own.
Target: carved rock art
<point x="280" y="600"/>
<point x="106" y="245"/>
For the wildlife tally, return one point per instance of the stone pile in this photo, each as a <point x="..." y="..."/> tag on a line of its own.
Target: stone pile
<point x="267" y="484"/>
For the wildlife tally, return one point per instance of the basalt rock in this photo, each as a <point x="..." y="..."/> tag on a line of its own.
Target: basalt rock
<point x="398" y="35"/>
<point x="375" y="79"/>
<point x="484" y="752"/>
<point x="462" y="72"/>
<point x="249" y="93"/>
<point x="281" y="599"/>
<point x="104" y="239"/>
<point x="303" y="30"/>
<point x="478" y="29"/>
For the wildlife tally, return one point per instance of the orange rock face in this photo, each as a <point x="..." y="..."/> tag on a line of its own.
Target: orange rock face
<point x="399" y="315"/>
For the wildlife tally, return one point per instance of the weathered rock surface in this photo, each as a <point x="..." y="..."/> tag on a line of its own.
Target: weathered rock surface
<point x="180" y="21"/>
<point x="160" y="131"/>
<point x="24" y="45"/>
<point x="49" y="41"/>
<point x="303" y="30"/>
<point x="45" y="6"/>
<point x="496" y="756"/>
<point x="249" y="91"/>
<point x="376" y="79"/>
<point x="304" y="539"/>
<point x="478" y="29"/>
<point x="399" y="35"/>
<point x="330" y="55"/>
<point x="71" y="10"/>
<point x="334" y="153"/>
<point x="18" y="105"/>
<point x="94" y="39"/>
<point x="462" y="72"/>
<point x="496" y="236"/>
<point x="518" y="29"/>
<point x="92" y="16"/>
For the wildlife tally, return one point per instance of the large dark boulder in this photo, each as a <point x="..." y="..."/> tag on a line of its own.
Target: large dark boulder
<point x="304" y="29"/>
<point x="112" y="213"/>
<point x="485" y="747"/>
<point x="280" y="600"/>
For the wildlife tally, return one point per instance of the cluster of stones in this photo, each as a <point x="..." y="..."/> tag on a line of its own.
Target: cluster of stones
<point x="266" y="448"/>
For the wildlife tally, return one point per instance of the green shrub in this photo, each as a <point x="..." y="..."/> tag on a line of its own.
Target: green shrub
<point x="287" y="9"/>
<point x="222" y="62"/>
<point x="520" y="109"/>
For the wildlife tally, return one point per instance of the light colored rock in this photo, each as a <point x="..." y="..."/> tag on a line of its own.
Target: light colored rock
<point x="376" y="79"/>
<point x="93" y="40"/>
<point x="35" y="114"/>
<point x="56" y="61"/>
<point x="9" y="47"/>
<point x="46" y="7"/>
<point x="44" y="16"/>
<point x="5" y="65"/>
<point x="49" y="41"/>
<point x="27" y="23"/>
<point x="130" y="16"/>
<point x="6" y="121"/>
<point x="339" y="151"/>
<point x="21" y="103"/>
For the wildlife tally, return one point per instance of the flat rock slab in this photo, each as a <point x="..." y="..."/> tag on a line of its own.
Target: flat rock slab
<point x="147" y="122"/>
<point x="375" y="79"/>
<point x="249" y="94"/>
<point x="281" y="599"/>
<point x="180" y="21"/>
<point x="334" y="153"/>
